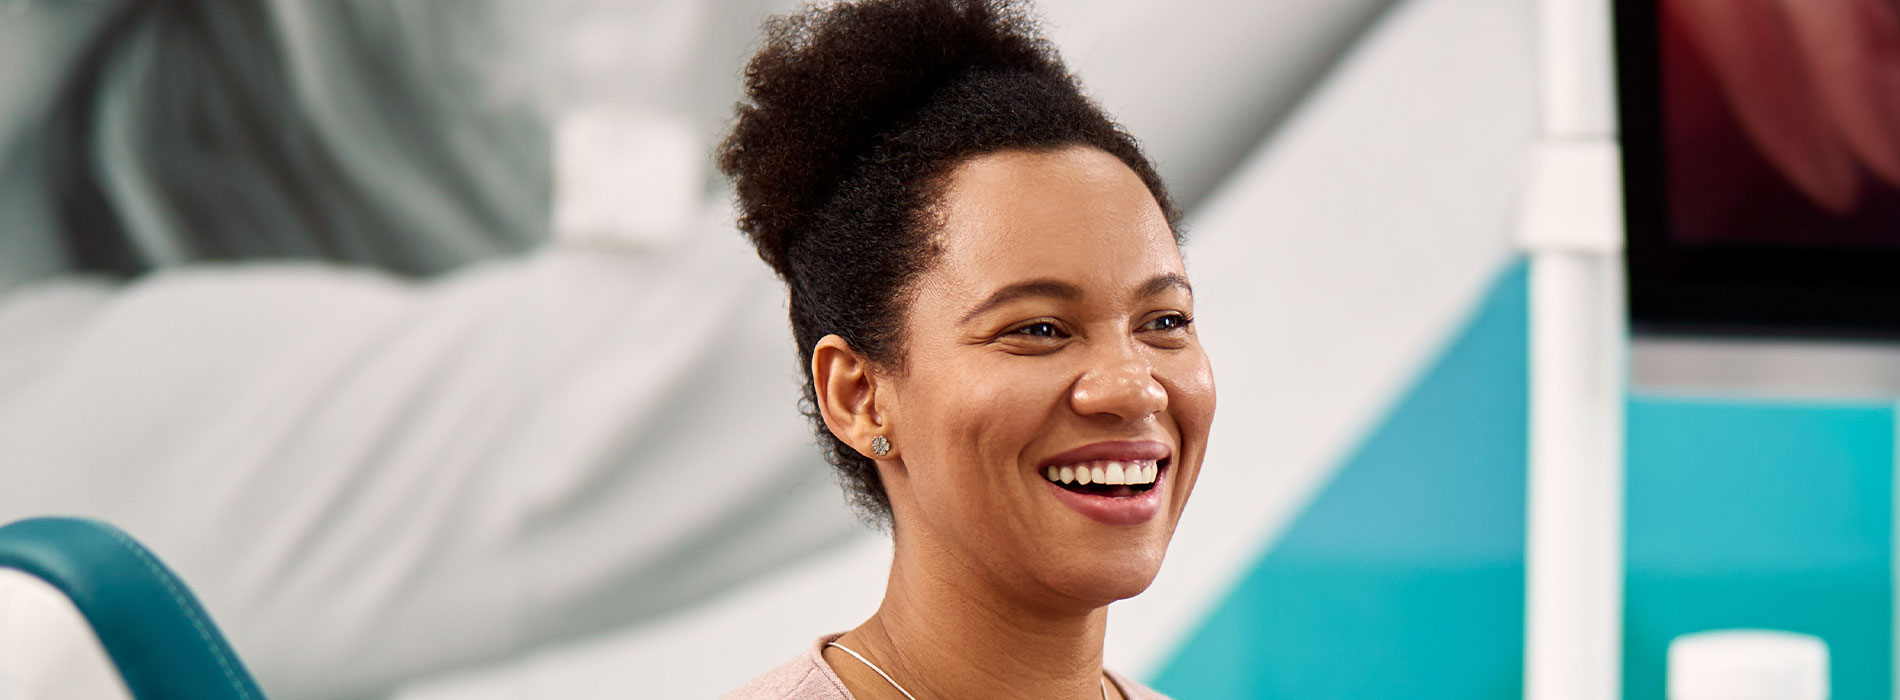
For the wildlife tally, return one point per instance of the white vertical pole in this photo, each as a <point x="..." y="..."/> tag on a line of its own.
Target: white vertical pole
<point x="1572" y="230"/>
<point x="1574" y="567"/>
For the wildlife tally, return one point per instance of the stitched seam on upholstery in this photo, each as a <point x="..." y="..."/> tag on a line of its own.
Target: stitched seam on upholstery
<point x="191" y="611"/>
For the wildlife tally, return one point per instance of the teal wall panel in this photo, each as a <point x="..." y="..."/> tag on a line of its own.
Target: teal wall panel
<point x="1403" y="578"/>
<point x="1768" y="515"/>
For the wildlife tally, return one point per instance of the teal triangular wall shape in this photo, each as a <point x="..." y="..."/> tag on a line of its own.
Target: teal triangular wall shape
<point x="1404" y="577"/>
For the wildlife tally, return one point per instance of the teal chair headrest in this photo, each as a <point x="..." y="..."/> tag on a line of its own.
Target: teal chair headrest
<point x="163" y="643"/>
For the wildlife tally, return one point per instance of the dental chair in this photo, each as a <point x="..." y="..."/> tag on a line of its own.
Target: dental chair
<point x="88" y="613"/>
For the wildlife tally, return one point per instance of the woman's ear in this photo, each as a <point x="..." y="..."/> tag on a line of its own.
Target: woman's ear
<point x="847" y="397"/>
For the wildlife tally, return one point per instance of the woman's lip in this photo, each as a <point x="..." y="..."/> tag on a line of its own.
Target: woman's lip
<point x="1117" y="450"/>
<point x="1133" y="509"/>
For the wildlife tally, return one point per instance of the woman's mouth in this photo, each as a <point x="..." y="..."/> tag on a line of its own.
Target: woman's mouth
<point x="1111" y="492"/>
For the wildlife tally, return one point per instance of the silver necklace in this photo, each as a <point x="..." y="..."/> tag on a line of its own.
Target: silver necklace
<point x="893" y="681"/>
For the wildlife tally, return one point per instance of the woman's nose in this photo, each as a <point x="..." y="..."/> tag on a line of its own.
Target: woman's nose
<point x="1124" y="387"/>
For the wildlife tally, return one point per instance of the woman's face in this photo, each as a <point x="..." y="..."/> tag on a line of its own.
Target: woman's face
<point x="1052" y="338"/>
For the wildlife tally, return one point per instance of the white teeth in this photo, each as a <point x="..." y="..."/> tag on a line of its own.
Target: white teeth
<point x="1105" y="472"/>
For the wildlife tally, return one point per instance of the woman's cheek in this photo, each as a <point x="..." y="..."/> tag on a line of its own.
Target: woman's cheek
<point x="1190" y="382"/>
<point x="1001" y="408"/>
<point x="1020" y="403"/>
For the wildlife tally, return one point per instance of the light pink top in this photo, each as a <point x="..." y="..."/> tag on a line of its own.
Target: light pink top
<point x="808" y="677"/>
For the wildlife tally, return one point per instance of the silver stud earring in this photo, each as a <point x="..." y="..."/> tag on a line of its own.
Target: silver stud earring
<point x="880" y="446"/>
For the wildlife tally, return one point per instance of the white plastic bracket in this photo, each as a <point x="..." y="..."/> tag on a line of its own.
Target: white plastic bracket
<point x="625" y="179"/>
<point x="1575" y="200"/>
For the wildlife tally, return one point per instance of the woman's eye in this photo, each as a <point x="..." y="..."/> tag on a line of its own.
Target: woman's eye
<point x="1039" y="329"/>
<point x="1169" y="322"/>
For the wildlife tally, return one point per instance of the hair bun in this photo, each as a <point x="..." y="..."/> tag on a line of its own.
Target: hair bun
<point x="854" y="116"/>
<point x="832" y="82"/>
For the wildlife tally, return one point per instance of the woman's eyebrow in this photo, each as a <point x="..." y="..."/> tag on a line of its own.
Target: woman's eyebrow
<point x="1164" y="282"/>
<point x="1059" y="289"/>
<point x="1029" y="288"/>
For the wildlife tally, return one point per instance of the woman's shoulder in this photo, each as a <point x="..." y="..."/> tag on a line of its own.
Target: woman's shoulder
<point x="1132" y="690"/>
<point x="808" y="677"/>
<point x="805" y="677"/>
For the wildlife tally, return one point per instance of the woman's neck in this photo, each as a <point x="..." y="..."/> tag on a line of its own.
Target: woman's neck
<point x="941" y="634"/>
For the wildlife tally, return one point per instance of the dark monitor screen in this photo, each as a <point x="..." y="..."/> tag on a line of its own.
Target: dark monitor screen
<point x="1761" y="156"/>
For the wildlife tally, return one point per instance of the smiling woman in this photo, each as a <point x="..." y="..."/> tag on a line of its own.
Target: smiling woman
<point x="989" y="300"/>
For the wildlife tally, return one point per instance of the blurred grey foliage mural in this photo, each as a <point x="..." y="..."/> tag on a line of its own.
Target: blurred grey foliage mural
<point x="410" y="136"/>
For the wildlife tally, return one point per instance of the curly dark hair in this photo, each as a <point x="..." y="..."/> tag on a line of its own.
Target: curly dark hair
<point x="854" y="115"/>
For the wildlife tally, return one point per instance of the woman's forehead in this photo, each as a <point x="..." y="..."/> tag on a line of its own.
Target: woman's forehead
<point x="1076" y="213"/>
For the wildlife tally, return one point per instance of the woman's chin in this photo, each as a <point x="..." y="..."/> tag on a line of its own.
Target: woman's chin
<point x="1100" y="581"/>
